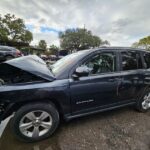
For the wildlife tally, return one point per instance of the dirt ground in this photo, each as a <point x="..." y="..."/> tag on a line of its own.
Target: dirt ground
<point x="121" y="129"/>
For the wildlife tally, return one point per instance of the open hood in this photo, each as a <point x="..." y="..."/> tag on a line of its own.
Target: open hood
<point x="32" y="64"/>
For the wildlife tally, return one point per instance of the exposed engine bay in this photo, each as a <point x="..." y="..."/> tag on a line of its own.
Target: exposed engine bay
<point x="11" y="75"/>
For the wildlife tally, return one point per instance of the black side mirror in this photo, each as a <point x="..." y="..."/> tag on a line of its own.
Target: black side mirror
<point x="82" y="71"/>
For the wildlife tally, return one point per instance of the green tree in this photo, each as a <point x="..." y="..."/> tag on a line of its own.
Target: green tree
<point x="135" y="45"/>
<point x="78" y="39"/>
<point x="13" y="29"/>
<point x="53" y="49"/>
<point x="27" y="36"/>
<point x="106" y="43"/>
<point x="143" y="43"/>
<point x="42" y="44"/>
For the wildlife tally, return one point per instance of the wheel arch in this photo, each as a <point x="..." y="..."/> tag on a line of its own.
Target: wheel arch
<point x="13" y="107"/>
<point x="140" y="94"/>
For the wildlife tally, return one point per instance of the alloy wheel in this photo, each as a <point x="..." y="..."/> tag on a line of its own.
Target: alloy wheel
<point x="35" y="123"/>
<point x="146" y="102"/>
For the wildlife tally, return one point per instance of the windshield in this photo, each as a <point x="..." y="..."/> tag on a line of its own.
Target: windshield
<point x="65" y="61"/>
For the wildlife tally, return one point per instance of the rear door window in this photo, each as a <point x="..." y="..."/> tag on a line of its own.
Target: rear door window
<point x="147" y="59"/>
<point x="131" y="60"/>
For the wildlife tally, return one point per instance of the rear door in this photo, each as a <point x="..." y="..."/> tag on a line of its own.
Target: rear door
<point x="146" y="58"/>
<point x="132" y="78"/>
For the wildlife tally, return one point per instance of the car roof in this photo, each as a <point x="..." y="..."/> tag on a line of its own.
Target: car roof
<point x="121" y="48"/>
<point x="7" y="47"/>
<point x="115" y="48"/>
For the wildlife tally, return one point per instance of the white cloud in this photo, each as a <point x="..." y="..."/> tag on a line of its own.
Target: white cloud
<point x="122" y="22"/>
<point x="50" y="38"/>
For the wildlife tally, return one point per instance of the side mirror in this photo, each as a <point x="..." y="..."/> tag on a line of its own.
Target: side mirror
<point x="82" y="71"/>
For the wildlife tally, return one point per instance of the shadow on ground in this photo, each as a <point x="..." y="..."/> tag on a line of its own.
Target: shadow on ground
<point x="122" y="129"/>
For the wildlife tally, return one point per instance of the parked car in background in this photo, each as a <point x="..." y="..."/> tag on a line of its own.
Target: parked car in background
<point x="7" y="53"/>
<point x="44" y="57"/>
<point x="79" y="84"/>
<point x="52" y="59"/>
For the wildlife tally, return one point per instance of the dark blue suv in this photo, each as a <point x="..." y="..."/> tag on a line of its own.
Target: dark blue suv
<point x="79" y="84"/>
<point x="7" y="53"/>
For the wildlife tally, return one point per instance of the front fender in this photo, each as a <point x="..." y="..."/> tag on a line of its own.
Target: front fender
<point x="21" y="94"/>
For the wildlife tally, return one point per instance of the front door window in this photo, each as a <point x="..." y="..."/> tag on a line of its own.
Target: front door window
<point x="101" y="63"/>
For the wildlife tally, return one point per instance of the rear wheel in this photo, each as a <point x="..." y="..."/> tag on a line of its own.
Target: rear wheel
<point x="143" y="104"/>
<point x="35" y="122"/>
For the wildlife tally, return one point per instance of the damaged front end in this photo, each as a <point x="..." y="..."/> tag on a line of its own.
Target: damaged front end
<point x="19" y="73"/>
<point x="24" y="69"/>
<point x="10" y="75"/>
<point x="3" y="109"/>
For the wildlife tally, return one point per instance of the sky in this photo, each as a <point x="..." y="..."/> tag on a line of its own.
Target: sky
<point x="121" y="22"/>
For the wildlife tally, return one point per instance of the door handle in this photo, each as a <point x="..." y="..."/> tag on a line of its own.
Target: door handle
<point x="111" y="80"/>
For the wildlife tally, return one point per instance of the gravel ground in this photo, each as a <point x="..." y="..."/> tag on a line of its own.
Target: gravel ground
<point x="121" y="129"/>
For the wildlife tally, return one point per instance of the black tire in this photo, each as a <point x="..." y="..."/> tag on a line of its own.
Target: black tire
<point x="139" y="105"/>
<point x="46" y="107"/>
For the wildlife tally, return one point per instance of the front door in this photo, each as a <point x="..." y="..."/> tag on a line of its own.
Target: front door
<point x="100" y="87"/>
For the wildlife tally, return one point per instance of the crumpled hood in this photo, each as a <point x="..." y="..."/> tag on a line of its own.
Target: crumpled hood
<point x="32" y="64"/>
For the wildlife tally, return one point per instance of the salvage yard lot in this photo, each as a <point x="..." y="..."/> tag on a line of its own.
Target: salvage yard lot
<point x="121" y="129"/>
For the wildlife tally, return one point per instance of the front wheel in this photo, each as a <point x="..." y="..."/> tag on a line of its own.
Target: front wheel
<point x="35" y="122"/>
